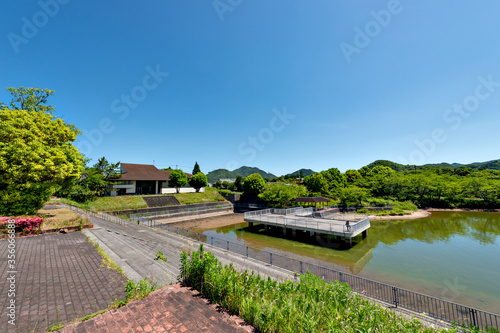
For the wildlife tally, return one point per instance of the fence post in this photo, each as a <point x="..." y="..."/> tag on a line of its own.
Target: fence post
<point x="301" y="268"/>
<point x="212" y="240"/>
<point x="247" y="251"/>
<point x="228" y="245"/>
<point x="271" y="257"/>
<point x="395" y="291"/>
<point x="473" y="314"/>
<point x="198" y="236"/>
<point x="340" y="276"/>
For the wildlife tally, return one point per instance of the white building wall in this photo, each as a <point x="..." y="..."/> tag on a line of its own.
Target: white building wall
<point x="171" y="190"/>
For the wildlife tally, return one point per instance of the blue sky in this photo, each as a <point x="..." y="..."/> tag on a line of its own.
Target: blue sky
<point x="280" y="85"/>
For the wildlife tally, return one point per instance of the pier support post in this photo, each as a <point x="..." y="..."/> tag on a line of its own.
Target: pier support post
<point x="364" y="234"/>
<point x="348" y="240"/>
<point x="250" y="224"/>
<point x="266" y="228"/>
<point x="294" y="233"/>
<point x="318" y="238"/>
<point x="284" y="231"/>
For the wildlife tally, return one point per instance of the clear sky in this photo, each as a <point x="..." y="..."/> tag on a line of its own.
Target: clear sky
<point x="279" y="85"/>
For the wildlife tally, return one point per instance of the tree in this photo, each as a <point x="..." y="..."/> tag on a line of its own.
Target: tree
<point x="178" y="179"/>
<point x="253" y="184"/>
<point x="108" y="170"/>
<point x="196" y="168"/>
<point x="93" y="182"/>
<point x="335" y="180"/>
<point x="280" y="195"/>
<point x="238" y="183"/>
<point x="316" y="184"/>
<point x="352" y="175"/>
<point x="31" y="99"/>
<point x="36" y="153"/>
<point x="198" y="181"/>
<point x="353" y="194"/>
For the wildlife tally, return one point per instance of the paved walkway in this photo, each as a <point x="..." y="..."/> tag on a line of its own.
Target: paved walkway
<point x="59" y="278"/>
<point x="171" y="309"/>
<point x="133" y="247"/>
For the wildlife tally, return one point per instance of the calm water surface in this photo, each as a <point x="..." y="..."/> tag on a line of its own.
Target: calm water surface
<point x="450" y="255"/>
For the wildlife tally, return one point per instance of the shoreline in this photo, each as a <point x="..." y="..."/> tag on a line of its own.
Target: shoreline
<point x="235" y="218"/>
<point x="421" y="213"/>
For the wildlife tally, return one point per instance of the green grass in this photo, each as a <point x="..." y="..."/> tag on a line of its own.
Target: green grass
<point x="309" y="305"/>
<point x="111" y="203"/>
<point x="106" y="260"/>
<point x="210" y="195"/>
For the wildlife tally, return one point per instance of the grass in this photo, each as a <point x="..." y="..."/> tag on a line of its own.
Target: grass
<point x="398" y="208"/>
<point x="60" y="218"/>
<point x="124" y="202"/>
<point x="106" y="260"/>
<point x="210" y="195"/>
<point x="117" y="203"/>
<point x="309" y="305"/>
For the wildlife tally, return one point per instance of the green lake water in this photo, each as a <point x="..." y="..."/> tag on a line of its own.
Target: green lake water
<point x="449" y="255"/>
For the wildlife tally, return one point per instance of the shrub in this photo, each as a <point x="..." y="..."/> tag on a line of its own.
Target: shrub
<point x="30" y="224"/>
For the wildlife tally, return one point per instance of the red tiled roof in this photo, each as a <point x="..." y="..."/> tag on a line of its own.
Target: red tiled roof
<point x="145" y="172"/>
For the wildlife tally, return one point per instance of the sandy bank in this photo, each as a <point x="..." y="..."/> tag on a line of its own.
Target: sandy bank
<point x="415" y="215"/>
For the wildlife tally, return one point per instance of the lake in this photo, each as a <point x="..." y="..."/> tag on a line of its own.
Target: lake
<point x="449" y="255"/>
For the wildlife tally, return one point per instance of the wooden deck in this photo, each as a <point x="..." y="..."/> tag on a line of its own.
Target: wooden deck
<point x="301" y="219"/>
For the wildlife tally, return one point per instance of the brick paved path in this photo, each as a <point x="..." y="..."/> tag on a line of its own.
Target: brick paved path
<point x="171" y="309"/>
<point x="59" y="277"/>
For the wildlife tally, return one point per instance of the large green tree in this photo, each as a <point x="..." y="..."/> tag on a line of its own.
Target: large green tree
<point x="36" y="153"/>
<point x="198" y="181"/>
<point x="178" y="179"/>
<point x="316" y="184"/>
<point x="253" y="184"/>
<point x="281" y="195"/>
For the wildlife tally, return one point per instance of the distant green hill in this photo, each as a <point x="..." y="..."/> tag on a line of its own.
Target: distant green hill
<point x="244" y="171"/>
<point x="493" y="165"/>
<point x="305" y="172"/>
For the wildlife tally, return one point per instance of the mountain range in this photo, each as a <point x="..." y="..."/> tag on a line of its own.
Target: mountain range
<point x="245" y="171"/>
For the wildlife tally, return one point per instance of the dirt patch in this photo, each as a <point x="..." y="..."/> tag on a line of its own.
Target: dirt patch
<point x="212" y="222"/>
<point x="415" y="215"/>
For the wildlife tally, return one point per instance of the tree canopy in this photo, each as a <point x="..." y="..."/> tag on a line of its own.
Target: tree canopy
<point x="253" y="184"/>
<point x="198" y="181"/>
<point x="36" y="153"/>
<point x="178" y="179"/>
<point x="281" y="195"/>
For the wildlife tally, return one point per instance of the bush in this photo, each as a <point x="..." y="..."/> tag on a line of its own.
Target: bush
<point x="30" y="224"/>
<point x="310" y="305"/>
<point x="225" y="193"/>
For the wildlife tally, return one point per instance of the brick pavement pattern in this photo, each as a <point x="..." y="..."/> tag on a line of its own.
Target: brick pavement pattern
<point x="59" y="278"/>
<point x="170" y="309"/>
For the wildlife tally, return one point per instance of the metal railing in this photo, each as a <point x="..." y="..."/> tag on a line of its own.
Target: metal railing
<point x="278" y="217"/>
<point x="398" y="297"/>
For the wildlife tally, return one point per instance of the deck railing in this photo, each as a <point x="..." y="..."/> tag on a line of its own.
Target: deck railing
<point x="431" y="306"/>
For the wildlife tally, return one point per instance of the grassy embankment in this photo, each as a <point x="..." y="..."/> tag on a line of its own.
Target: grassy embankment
<point x="309" y="305"/>
<point x="123" y="202"/>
